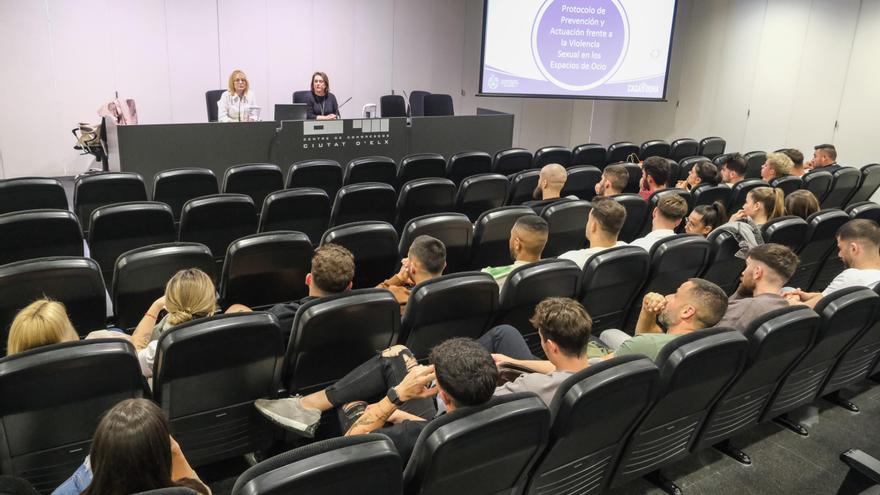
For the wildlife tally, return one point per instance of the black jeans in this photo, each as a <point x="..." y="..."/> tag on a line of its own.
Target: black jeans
<point x="505" y="339"/>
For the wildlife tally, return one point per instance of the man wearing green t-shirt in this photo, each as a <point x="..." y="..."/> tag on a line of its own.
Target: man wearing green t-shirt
<point x="697" y="304"/>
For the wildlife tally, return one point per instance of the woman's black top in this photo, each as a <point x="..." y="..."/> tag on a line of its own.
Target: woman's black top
<point x="321" y="105"/>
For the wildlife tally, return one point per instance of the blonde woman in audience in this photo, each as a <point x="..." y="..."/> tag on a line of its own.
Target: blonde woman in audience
<point x="762" y="205"/>
<point x="776" y="165"/>
<point x="801" y="203"/>
<point x="42" y="322"/>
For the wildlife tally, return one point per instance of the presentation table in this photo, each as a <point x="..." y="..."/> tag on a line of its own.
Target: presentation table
<point x="151" y="148"/>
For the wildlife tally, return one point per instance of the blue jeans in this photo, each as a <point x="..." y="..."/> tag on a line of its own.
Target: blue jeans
<point x="78" y="482"/>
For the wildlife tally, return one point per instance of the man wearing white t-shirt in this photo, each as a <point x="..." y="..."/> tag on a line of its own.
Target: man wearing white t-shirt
<point x="604" y="222"/>
<point x="667" y="215"/>
<point x="859" y="244"/>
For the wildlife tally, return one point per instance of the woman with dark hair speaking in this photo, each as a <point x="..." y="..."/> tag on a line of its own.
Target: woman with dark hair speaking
<point x="321" y="104"/>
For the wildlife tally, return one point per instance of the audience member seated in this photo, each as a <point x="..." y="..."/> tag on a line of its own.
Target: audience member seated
<point x="132" y="452"/>
<point x="824" y="158"/>
<point x="604" y="222"/>
<point x="768" y="267"/>
<point x="426" y="259"/>
<point x="42" y="322"/>
<point x="706" y="218"/>
<point x="701" y="173"/>
<point x="551" y="180"/>
<point x="858" y="244"/>
<point x="801" y="203"/>
<point x="697" y="304"/>
<point x="667" y="215"/>
<point x="655" y="176"/>
<point x="797" y="161"/>
<point x="527" y="240"/>
<point x="762" y="205"/>
<point x="733" y="169"/>
<point x="614" y="181"/>
<point x="775" y="166"/>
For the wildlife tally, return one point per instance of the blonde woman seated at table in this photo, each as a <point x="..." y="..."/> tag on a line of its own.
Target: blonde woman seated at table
<point x="235" y="103"/>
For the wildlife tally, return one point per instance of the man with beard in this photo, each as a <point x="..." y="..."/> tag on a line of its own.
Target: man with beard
<point x="527" y="240"/>
<point x="614" y="180"/>
<point x="768" y="267"/>
<point x="697" y="304"/>
<point x="551" y="180"/>
<point x="655" y="175"/>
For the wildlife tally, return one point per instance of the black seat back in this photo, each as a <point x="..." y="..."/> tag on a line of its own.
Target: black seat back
<point x="361" y="202"/>
<point x="610" y="282"/>
<point x="92" y="191"/>
<point x="374" y="246"/>
<point x="125" y="226"/>
<point x="655" y="147"/>
<point x="594" y="411"/>
<point x="560" y="155"/>
<point x="868" y="210"/>
<point x="636" y="212"/>
<point x="788" y="184"/>
<point x="366" y="463"/>
<point x="620" y="151"/>
<point x="754" y="161"/>
<point x="724" y="267"/>
<point x="655" y="198"/>
<point x="352" y="327"/>
<point x="458" y="452"/>
<point x="140" y="276"/>
<point x="257" y="180"/>
<point x="712" y="146"/>
<point x="304" y="209"/>
<point x="420" y="166"/>
<point x="491" y="245"/>
<point x="868" y="184"/>
<point x="417" y="102"/>
<point x="706" y="195"/>
<point x="217" y="220"/>
<point x="821" y="242"/>
<point x="322" y="174"/>
<point x="788" y="230"/>
<point x="695" y="369"/>
<point x="176" y="186"/>
<point x="859" y="357"/>
<point x="468" y="163"/>
<point x="582" y="182"/>
<point x="31" y="193"/>
<point x="265" y="269"/>
<point x="846" y="182"/>
<point x="635" y="177"/>
<point x="740" y="190"/>
<point x="522" y="185"/>
<point x="63" y="388"/>
<point x="685" y="166"/>
<point x="243" y="364"/>
<point x="590" y="154"/>
<point x="392" y="106"/>
<point x="818" y="182"/>
<point x="422" y="197"/>
<point x="438" y="105"/>
<point x="454" y="230"/>
<point x="370" y="169"/>
<point x="511" y="161"/>
<point x="567" y="221"/>
<point x="34" y="234"/>
<point x="683" y="148"/>
<point x="480" y="193"/>
<point x="428" y="319"/>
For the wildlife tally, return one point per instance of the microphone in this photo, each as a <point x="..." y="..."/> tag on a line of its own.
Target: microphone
<point x="344" y="102"/>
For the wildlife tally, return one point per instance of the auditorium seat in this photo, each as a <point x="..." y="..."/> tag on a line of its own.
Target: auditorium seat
<point x="522" y="186"/>
<point x="125" y="226"/>
<point x="610" y="282"/>
<point x="481" y="193"/>
<point x="107" y="188"/>
<point x="724" y="267"/>
<point x="683" y="148"/>
<point x="481" y="449"/>
<point x="51" y="399"/>
<point x="530" y="284"/>
<point x="818" y="182"/>
<point x="863" y="474"/>
<point x="392" y="106"/>
<point x="655" y="198"/>
<point x="243" y="365"/>
<point x="362" y="463"/>
<point x="257" y="180"/>
<point x="821" y="241"/>
<point x="754" y="161"/>
<point x="417" y="102"/>
<point x="361" y="202"/>
<point x="868" y="184"/>
<point x="684" y="167"/>
<point x="31" y="234"/>
<point x="455" y="305"/>
<point x="491" y="243"/>
<point x="140" y="276"/>
<point x="740" y="190"/>
<point x="333" y="335"/>
<point x="674" y="170"/>
<point x="176" y="186"/>
<point x="843" y="316"/>
<point x="868" y="210"/>
<point x="559" y="155"/>
<point x="76" y="282"/>
<point x="695" y="369"/>
<point x="217" y="220"/>
<point x="594" y="411"/>
<point x="620" y="151"/>
<point x="31" y="193"/>
<point x="265" y="269"/>
<point x="438" y="105"/>
<point x="706" y="194"/>
<point x="511" y="161"/>
<point x="374" y="246"/>
<point x="303" y="209"/>
<point x="635" y="176"/>
<point x="711" y="147"/>
<point x="656" y="147"/>
<point x="423" y="197"/>
<point x="212" y="97"/>
<point x="777" y="342"/>
<point x="582" y="182"/>
<point x="467" y="163"/>
<point x="843" y="186"/>
<point x="454" y="230"/>
<point x="171" y="490"/>
<point x="636" y="212"/>
<point x="567" y="221"/>
<point x="322" y="174"/>
<point x="590" y="154"/>
<point x="788" y="184"/>
<point x="370" y="169"/>
<point x="420" y="166"/>
<point x="720" y="160"/>
<point x="790" y="231"/>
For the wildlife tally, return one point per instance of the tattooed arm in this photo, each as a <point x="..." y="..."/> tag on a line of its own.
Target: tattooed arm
<point x="412" y="386"/>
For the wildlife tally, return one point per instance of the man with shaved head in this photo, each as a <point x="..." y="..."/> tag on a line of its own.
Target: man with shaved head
<point x="550" y="183"/>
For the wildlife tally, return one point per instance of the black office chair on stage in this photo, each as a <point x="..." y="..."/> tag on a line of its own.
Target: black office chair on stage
<point x="212" y="97"/>
<point x="417" y="102"/>
<point x="392" y="106"/>
<point x="438" y="105"/>
<point x="301" y="96"/>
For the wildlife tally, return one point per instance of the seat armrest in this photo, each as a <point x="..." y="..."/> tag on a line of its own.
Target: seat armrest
<point x="863" y="463"/>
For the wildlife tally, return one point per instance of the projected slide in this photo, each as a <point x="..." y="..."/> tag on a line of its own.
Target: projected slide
<point x="587" y="48"/>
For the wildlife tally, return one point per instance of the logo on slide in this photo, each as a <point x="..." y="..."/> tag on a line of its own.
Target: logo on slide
<point x="579" y="44"/>
<point x="493" y="82"/>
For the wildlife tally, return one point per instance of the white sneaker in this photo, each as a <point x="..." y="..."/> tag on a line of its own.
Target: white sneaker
<point x="290" y="414"/>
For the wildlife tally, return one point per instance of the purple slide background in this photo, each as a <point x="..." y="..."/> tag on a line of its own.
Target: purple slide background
<point x="522" y="85"/>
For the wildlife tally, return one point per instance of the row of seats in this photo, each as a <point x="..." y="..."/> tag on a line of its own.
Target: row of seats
<point x="608" y="424"/>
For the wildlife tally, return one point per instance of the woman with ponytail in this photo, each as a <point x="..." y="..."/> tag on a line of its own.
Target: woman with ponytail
<point x="706" y="218"/>
<point x="703" y="173"/>
<point x="762" y="205"/>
